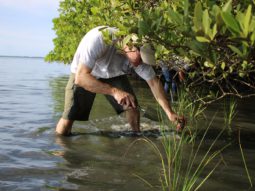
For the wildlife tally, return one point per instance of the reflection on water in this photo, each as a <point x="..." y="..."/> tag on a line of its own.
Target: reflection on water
<point x="97" y="156"/>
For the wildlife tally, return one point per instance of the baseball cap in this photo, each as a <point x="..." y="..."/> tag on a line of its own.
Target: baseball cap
<point x="147" y="54"/>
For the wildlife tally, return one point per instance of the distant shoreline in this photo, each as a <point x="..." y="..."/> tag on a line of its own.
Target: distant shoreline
<point x="37" y="57"/>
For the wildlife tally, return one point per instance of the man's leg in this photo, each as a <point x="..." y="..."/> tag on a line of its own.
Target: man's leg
<point x="64" y="127"/>
<point x="133" y="117"/>
<point x="78" y="103"/>
<point x="132" y="114"/>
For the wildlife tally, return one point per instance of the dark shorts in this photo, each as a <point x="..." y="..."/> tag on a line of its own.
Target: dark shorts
<point x="78" y="101"/>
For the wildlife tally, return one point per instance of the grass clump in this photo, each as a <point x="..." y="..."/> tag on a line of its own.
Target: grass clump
<point x="182" y="166"/>
<point x="230" y="106"/>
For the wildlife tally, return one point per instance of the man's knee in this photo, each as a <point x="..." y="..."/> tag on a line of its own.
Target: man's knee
<point x="133" y="117"/>
<point x="64" y="126"/>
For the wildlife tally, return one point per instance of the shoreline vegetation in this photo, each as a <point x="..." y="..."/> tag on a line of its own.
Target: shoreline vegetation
<point x="10" y="56"/>
<point x="216" y="38"/>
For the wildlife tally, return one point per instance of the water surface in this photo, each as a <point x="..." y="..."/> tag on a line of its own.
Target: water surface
<point x="32" y="157"/>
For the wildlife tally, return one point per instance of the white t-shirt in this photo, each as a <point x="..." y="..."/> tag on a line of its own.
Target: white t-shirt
<point x="104" y="60"/>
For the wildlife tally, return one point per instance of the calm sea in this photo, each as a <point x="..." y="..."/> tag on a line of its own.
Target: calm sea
<point x="32" y="157"/>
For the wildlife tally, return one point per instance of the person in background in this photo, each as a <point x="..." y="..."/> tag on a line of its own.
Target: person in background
<point x="98" y="67"/>
<point x="173" y="73"/>
<point x="168" y="80"/>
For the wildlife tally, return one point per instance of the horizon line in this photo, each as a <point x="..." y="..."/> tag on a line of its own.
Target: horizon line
<point x="22" y="56"/>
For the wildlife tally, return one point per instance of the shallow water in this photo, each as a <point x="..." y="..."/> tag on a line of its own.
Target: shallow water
<point x="98" y="157"/>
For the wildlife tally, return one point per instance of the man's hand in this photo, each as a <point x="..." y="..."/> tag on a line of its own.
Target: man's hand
<point x="125" y="99"/>
<point x="181" y="121"/>
<point x="159" y="94"/>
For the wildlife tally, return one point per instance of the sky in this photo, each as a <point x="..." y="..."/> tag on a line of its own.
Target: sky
<point x="26" y="27"/>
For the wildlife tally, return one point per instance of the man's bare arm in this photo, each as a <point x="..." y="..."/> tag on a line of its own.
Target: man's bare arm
<point x="84" y="79"/>
<point x="159" y="94"/>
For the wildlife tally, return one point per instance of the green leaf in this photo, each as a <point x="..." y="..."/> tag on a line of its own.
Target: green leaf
<point x="244" y="65"/>
<point x="241" y="74"/>
<point x="252" y="25"/>
<point x="252" y="37"/>
<point x="246" y="21"/>
<point x="94" y="10"/>
<point x="223" y="65"/>
<point x="231" y="69"/>
<point x="225" y="75"/>
<point x="197" y="19"/>
<point x="212" y="56"/>
<point x="245" y="47"/>
<point x="227" y="7"/>
<point x="175" y="17"/>
<point x="208" y="64"/>
<point x="213" y="32"/>
<point x="107" y="36"/>
<point x="192" y="74"/>
<point x="197" y="48"/>
<point x="240" y="18"/>
<point x="202" y="39"/>
<point x="186" y="8"/>
<point x="231" y="22"/>
<point x="216" y="11"/>
<point x="142" y="27"/>
<point x="235" y="50"/>
<point x="206" y="21"/>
